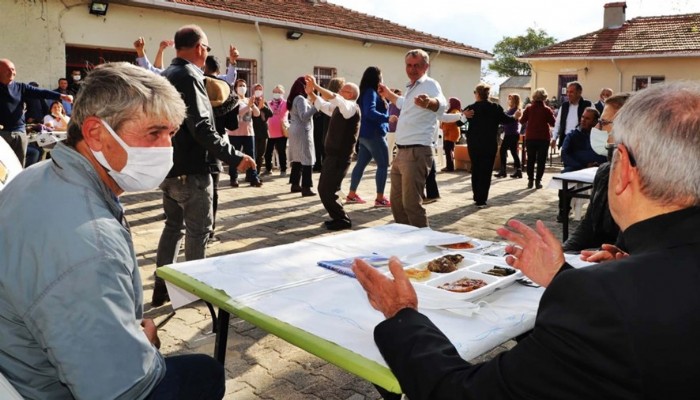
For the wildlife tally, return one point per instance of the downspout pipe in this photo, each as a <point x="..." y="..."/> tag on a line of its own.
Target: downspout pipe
<point x="619" y="75"/>
<point x="262" y="55"/>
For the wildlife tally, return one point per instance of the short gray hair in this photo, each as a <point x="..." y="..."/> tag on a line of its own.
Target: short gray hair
<point x="419" y="53"/>
<point x="120" y="92"/>
<point x="660" y="127"/>
<point x="539" y="95"/>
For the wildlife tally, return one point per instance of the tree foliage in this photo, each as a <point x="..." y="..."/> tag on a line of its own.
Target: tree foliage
<point x="508" y="48"/>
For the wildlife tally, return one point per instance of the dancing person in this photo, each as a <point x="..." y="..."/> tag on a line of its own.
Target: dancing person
<point x="511" y="137"/>
<point x="372" y="143"/>
<point x="482" y="140"/>
<point x="422" y="102"/>
<point x="301" y="138"/>
<point x="538" y="118"/>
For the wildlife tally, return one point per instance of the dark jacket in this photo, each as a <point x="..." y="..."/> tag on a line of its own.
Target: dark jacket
<point x="197" y="136"/>
<point x="483" y="126"/>
<point x="624" y="329"/>
<point x="342" y="135"/>
<point x="597" y="226"/>
<point x="564" y="111"/>
<point x="576" y="153"/>
<point x="12" y="98"/>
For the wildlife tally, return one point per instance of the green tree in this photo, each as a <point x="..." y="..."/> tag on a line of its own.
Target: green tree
<point x="508" y="48"/>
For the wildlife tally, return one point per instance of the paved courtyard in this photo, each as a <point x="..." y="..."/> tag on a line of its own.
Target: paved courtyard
<point x="258" y="364"/>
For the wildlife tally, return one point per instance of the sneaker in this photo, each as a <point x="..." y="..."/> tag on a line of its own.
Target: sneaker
<point x="382" y="203"/>
<point x="354" y="199"/>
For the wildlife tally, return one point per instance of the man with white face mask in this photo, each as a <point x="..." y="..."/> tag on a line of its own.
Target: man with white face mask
<point x="71" y="307"/>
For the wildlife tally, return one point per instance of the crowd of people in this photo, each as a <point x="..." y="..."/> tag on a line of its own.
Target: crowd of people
<point x="172" y="127"/>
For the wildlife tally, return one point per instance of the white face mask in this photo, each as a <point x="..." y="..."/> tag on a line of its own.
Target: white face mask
<point x="76" y="78"/>
<point x="276" y="96"/>
<point x="241" y="90"/>
<point x="145" y="168"/>
<point x="258" y="93"/>
<point x="599" y="140"/>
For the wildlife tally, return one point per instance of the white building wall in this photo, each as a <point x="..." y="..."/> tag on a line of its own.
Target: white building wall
<point x="41" y="29"/>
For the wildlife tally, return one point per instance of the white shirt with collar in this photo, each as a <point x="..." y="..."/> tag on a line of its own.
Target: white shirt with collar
<point x="571" y="121"/>
<point x="417" y="125"/>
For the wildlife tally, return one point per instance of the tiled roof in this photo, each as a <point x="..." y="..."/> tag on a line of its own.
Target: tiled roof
<point x="664" y="36"/>
<point x="325" y="18"/>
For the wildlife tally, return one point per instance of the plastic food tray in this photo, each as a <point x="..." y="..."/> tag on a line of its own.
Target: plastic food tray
<point x="467" y="269"/>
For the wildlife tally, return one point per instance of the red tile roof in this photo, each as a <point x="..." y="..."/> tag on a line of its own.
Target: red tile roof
<point x="643" y="37"/>
<point x="325" y="18"/>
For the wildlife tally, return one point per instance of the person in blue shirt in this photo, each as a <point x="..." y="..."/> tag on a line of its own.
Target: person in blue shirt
<point x="577" y="153"/>
<point x="373" y="128"/>
<point x="13" y="95"/>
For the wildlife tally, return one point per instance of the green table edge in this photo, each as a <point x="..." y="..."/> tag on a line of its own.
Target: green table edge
<point x="329" y="351"/>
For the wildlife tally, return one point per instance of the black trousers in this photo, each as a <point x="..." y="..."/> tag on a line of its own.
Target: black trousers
<point x="510" y="143"/>
<point x="333" y="172"/>
<point x="260" y="149"/>
<point x="482" y="166"/>
<point x="431" y="186"/>
<point x="279" y="144"/>
<point x="215" y="197"/>
<point x="536" y="152"/>
<point x="301" y="174"/>
<point x="449" y="148"/>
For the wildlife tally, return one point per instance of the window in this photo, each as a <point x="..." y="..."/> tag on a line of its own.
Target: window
<point x="641" y="82"/>
<point x="86" y="58"/>
<point x="247" y="70"/>
<point x="324" y="75"/>
<point x="561" y="96"/>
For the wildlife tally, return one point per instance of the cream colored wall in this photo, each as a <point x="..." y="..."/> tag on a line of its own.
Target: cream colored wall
<point x="596" y="74"/>
<point x="279" y="60"/>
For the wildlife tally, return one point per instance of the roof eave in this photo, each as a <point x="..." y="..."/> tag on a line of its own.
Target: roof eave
<point x="608" y="57"/>
<point x="208" y="12"/>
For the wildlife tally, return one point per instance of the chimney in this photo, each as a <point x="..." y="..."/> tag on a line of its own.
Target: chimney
<point x="614" y="15"/>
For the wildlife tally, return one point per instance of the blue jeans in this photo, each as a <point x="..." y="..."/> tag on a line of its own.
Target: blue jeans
<point x="371" y="148"/>
<point x="187" y="202"/>
<point x="246" y="144"/>
<point x="191" y="376"/>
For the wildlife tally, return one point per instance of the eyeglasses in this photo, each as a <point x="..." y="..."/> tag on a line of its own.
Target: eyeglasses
<point x="604" y="122"/>
<point x="633" y="161"/>
<point x="206" y="47"/>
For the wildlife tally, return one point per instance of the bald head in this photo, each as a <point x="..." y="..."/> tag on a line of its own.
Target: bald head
<point x="192" y="44"/>
<point x="7" y="71"/>
<point x="350" y="91"/>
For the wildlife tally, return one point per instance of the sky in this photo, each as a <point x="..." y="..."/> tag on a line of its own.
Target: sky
<point x="482" y="24"/>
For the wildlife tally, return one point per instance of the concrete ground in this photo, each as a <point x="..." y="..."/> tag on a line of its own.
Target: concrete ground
<point x="258" y="364"/>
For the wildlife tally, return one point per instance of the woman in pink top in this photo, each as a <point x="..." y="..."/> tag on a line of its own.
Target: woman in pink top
<point x="277" y="140"/>
<point x="243" y="138"/>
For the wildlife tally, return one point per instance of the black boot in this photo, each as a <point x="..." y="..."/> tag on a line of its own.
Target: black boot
<point x="501" y="174"/>
<point x="517" y="174"/>
<point x="529" y="184"/>
<point x="160" y="293"/>
<point x="538" y="185"/>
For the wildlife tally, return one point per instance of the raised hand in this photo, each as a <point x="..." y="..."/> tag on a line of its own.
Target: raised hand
<point x="536" y="252"/>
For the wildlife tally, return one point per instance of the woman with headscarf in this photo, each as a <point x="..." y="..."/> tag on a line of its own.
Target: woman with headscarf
<point x="301" y="138"/>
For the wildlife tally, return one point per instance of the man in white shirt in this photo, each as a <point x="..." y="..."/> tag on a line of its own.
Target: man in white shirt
<point x="340" y="142"/>
<point x="420" y="106"/>
<point x="568" y="121"/>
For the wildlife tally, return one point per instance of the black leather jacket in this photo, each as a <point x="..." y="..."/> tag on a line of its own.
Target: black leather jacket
<point x="197" y="136"/>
